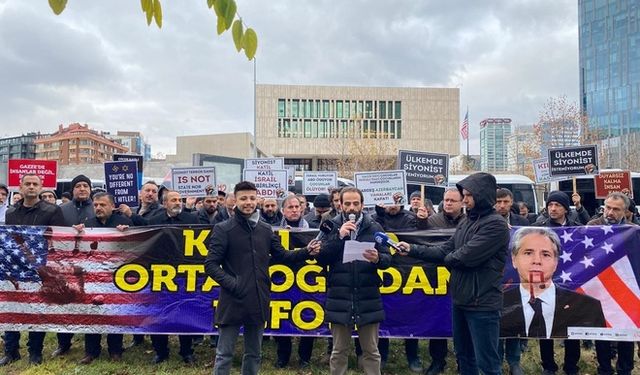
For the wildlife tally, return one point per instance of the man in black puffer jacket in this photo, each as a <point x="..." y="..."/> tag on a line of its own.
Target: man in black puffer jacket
<point x="476" y="257"/>
<point x="353" y="288"/>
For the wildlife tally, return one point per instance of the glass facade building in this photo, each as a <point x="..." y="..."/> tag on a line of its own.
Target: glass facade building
<point x="494" y="144"/>
<point x="20" y="147"/>
<point x="609" y="47"/>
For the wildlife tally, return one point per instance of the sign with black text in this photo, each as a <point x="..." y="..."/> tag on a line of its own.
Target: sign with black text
<point x="139" y="159"/>
<point x="193" y="181"/>
<point x="424" y="168"/>
<point x="264" y="163"/>
<point x="271" y="183"/>
<point x="121" y="179"/>
<point x="573" y="161"/>
<point x="382" y="187"/>
<point x="315" y="183"/>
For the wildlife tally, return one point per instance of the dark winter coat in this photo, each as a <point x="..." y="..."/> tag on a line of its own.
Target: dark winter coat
<point x="353" y="289"/>
<point x="142" y="220"/>
<point x="42" y="213"/>
<point x="402" y="221"/>
<point x="273" y="221"/>
<point x="440" y="221"/>
<point x="112" y="222"/>
<point x="183" y="218"/>
<point x="476" y="253"/>
<point x="77" y="212"/>
<point x="517" y="220"/>
<point x="238" y="259"/>
<point x="204" y="218"/>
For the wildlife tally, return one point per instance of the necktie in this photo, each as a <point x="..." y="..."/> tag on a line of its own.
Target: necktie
<point x="538" y="328"/>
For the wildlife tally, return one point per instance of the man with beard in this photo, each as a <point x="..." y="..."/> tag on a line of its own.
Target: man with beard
<point x="240" y="252"/>
<point x="615" y="207"/>
<point x="172" y="215"/>
<point x="270" y="213"/>
<point x="207" y="214"/>
<point x="103" y="205"/>
<point x="29" y="211"/>
<point x="353" y="292"/>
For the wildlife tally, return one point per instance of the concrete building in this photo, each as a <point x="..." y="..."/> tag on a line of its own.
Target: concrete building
<point x="315" y="127"/>
<point x="77" y="144"/>
<point x="609" y="55"/>
<point x="18" y="147"/>
<point x="494" y="139"/>
<point x="521" y="147"/>
<point x="232" y="145"/>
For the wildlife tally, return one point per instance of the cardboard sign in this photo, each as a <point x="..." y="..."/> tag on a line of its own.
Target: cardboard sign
<point x="139" y="159"/>
<point x="45" y="169"/>
<point x="121" y="179"/>
<point x="573" y="161"/>
<point x="264" y="163"/>
<point x="271" y="183"/>
<point x="291" y="175"/>
<point x="610" y="182"/>
<point x="541" y="170"/>
<point x="382" y="187"/>
<point x="193" y="181"/>
<point x="314" y="183"/>
<point x="424" y="168"/>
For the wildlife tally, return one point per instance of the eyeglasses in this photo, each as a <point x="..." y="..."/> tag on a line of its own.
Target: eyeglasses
<point x="451" y="201"/>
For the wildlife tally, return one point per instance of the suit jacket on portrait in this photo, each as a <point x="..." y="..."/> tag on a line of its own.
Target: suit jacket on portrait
<point x="572" y="310"/>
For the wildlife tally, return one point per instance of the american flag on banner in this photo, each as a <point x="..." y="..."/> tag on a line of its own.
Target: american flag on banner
<point x="53" y="279"/>
<point x="602" y="262"/>
<point x="464" y="128"/>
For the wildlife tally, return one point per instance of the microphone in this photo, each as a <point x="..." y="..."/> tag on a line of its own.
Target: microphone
<point x="326" y="227"/>
<point x="352" y="218"/>
<point x="383" y="239"/>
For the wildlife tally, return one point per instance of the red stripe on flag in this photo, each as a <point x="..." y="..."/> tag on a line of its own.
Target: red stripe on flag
<point x="94" y="256"/>
<point x="73" y="319"/>
<point x="621" y="293"/>
<point x="87" y="299"/>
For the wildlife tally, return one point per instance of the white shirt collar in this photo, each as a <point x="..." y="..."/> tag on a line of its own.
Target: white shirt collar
<point x="548" y="297"/>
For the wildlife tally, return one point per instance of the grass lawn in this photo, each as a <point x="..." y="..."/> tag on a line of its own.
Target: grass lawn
<point x="137" y="361"/>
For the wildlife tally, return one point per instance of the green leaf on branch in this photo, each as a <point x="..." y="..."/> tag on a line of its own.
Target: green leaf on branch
<point x="146" y="4"/>
<point x="221" y="25"/>
<point x="149" y="15"/>
<point x="219" y="6"/>
<point x="57" y="6"/>
<point x="225" y="10"/>
<point x="236" y="32"/>
<point x="230" y="13"/>
<point x="210" y="3"/>
<point x="157" y="13"/>
<point x="250" y="43"/>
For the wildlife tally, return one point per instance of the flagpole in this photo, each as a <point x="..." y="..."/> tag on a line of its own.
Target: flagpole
<point x="468" y="132"/>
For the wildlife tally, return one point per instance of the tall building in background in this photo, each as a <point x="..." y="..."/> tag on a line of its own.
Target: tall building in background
<point x="520" y="149"/>
<point x="319" y="127"/>
<point x="494" y="140"/>
<point x="609" y="33"/>
<point x="77" y="144"/>
<point x="134" y="141"/>
<point x="18" y="147"/>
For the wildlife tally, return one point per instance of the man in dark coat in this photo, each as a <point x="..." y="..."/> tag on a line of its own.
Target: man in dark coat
<point x="321" y="205"/>
<point x="270" y="213"/>
<point x="476" y="256"/>
<point x="353" y="294"/>
<point x="29" y="211"/>
<point x="172" y="214"/>
<point x="103" y="206"/>
<point x="240" y="251"/>
<point x="207" y="214"/>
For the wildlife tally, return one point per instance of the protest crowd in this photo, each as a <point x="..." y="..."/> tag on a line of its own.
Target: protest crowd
<point x="245" y="245"/>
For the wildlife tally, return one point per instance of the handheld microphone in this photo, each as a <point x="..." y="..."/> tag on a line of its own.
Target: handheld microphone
<point x="326" y="227"/>
<point x="383" y="239"/>
<point x="352" y="218"/>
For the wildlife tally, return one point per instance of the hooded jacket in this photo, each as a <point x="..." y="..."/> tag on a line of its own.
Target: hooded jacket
<point x="476" y="252"/>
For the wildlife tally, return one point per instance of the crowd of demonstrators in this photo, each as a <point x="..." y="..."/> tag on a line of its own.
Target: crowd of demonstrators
<point x="270" y="212"/>
<point x="321" y="205"/>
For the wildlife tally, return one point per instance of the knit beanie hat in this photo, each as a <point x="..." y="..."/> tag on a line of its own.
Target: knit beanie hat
<point x="559" y="197"/>
<point x="80" y="178"/>
<point x="322" y="201"/>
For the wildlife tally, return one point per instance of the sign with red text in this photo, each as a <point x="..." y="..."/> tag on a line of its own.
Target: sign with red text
<point x="271" y="183"/>
<point x="193" y="181"/>
<point x="45" y="169"/>
<point x="613" y="182"/>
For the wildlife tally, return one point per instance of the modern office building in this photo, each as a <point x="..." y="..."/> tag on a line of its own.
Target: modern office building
<point x="134" y="141"/>
<point x="77" y="144"/>
<point x="494" y="140"/>
<point x="18" y="147"/>
<point x="317" y="127"/>
<point x="609" y="48"/>
<point x="521" y="149"/>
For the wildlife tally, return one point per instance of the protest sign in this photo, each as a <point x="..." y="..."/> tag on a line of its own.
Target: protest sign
<point x="382" y="187"/>
<point x="45" y="169"/>
<point x="139" y="159"/>
<point x="121" y="179"/>
<point x="609" y="182"/>
<point x="424" y="168"/>
<point x="271" y="183"/>
<point x="291" y="175"/>
<point x="573" y="161"/>
<point x="193" y="181"/>
<point x="264" y="163"/>
<point x="541" y="171"/>
<point x="314" y="183"/>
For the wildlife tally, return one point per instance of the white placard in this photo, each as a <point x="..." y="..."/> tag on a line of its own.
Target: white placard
<point x="193" y="181"/>
<point x="264" y="163"/>
<point x="291" y="175"/>
<point x="541" y="170"/>
<point x="354" y="250"/>
<point x="315" y="183"/>
<point x="271" y="183"/>
<point x="382" y="187"/>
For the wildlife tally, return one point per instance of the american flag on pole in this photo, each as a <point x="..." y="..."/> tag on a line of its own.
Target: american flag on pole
<point x="602" y="262"/>
<point x="53" y="279"/>
<point x="464" y="128"/>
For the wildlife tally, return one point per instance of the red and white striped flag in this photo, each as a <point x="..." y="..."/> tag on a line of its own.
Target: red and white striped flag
<point x="464" y="128"/>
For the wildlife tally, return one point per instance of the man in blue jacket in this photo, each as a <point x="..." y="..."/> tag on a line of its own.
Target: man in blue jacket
<point x="476" y="257"/>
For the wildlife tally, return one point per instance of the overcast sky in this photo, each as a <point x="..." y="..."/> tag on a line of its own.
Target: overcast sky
<point x="98" y="62"/>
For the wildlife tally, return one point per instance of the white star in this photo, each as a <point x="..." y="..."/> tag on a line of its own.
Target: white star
<point x="588" y="242"/>
<point x="566" y="236"/>
<point x="606" y="229"/>
<point x="566" y="257"/>
<point x="16" y="251"/>
<point x="565" y="276"/>
<point x="40" y="245"/>
<point x="607" y="247"/>
<point x="587" y="262"/>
